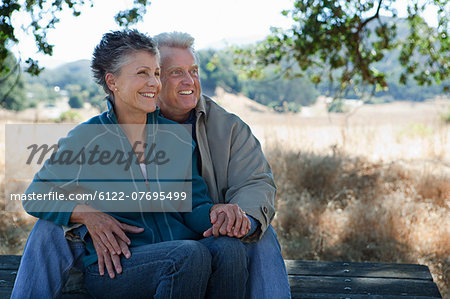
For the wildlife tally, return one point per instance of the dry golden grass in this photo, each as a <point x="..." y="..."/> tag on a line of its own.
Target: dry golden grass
<point x="374" y="186"/>
<point x="365" y="188"/>
<point x="337" y="207"/>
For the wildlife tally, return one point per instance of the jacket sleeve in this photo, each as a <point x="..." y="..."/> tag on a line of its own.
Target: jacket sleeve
<point x="198" y="220"/>
<point x="250" y="180"/>
<point x="57" y="178"/>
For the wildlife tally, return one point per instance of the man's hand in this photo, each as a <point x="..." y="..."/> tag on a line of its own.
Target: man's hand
<point x="228" y="220"/>
<point x="108" y="236"/>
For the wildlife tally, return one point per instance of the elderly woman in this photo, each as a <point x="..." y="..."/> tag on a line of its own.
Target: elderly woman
<point x="165" y="260"/>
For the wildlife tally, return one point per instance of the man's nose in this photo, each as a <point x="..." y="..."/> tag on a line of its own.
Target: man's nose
<point x="188" y="79"/>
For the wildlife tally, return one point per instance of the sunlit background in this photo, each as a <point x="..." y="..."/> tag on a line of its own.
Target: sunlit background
<point x="369" y="184"/>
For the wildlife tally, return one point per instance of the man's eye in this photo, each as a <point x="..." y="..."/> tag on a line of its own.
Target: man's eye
<point x="142" y="72"/>
<point x="157" y="74"/>
<point x="195" y="72"/>
<point x="176" y="72"/>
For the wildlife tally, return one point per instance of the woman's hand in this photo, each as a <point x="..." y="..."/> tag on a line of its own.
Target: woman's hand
<point x="108" y="236"/>
<point x="111" y="261"/>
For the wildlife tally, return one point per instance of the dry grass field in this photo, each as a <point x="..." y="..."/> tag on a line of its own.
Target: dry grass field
<point x="372" y="185"/>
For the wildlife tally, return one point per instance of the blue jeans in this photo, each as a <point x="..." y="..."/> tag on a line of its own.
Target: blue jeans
<point x="47" y="260"/>
<point x="175" y="269"/>
<point x="213" y="267"/>
<point x="267" y="271"/>
<point x="229" y="264"/>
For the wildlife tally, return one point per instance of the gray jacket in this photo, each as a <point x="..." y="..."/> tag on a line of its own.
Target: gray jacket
<point x="233" y="164"/>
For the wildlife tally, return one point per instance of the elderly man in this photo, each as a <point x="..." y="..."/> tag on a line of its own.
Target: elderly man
<point x="232" y="164"/>
<point x="231" y="161"/>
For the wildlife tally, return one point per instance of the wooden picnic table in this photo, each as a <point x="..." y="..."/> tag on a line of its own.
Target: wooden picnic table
<point x="314" y="279"/>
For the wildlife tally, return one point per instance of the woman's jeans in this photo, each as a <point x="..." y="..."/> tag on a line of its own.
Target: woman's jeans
<point x="216" y="268"/>
<point x="48" y="259"/>
<point x="176" y="269"/>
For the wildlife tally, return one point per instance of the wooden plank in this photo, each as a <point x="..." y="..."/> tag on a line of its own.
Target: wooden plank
<point x="8" y="262"/>
<point x="296" y="295"/>
<point x="7" y="278"/>
<point x="406" y="288"/>
<point x="8" y="270"/>
<point x="314" y="279"/>
<point x="5" y="293"/>
<point x="344" y="269"/>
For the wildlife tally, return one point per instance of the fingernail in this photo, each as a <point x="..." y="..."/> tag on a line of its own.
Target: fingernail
<point x="118" y="252"/>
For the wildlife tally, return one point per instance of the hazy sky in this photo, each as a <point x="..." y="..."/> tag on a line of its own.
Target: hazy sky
<point x="213" y="23"/>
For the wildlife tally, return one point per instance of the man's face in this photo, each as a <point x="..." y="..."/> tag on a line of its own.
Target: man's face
<point x="180" y="83"/>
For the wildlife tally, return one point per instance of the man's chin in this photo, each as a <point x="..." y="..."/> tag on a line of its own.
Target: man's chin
<point x="189" y="103"/>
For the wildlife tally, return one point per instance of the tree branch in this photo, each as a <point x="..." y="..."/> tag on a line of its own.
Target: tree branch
<point x="10" y="73"/>
<point x="376" y="15"/>
<point x="3" y="100"/>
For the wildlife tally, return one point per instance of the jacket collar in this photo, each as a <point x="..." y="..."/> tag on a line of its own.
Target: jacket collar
<point x="111" y="113"/>
<point x="201" y="106"/>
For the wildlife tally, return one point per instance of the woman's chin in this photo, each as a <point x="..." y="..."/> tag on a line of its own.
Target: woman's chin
<point x="149" y="108"/>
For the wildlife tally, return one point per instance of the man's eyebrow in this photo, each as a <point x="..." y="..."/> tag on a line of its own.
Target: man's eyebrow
<point x="179" y="66"/>
<point x="173" y="67"/>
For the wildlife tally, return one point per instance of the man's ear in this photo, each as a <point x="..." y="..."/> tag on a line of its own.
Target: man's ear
<point x="111" y="81"/>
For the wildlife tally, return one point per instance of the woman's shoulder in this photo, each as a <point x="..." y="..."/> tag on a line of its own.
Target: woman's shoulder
<point x="83" y="133"/>
<point x="99" y="119"/>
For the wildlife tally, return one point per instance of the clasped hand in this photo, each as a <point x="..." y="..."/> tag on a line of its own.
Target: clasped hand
<point x="228" y="220"/>
<point x="110" y="241"/>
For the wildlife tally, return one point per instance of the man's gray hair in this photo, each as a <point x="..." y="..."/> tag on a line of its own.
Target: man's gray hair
<point x="176" y="39"/>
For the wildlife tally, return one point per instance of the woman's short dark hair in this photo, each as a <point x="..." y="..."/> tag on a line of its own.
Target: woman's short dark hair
<point x="114" y="48"/>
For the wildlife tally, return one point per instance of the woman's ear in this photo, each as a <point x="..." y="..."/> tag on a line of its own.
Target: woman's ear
<point x="111" y="81"/>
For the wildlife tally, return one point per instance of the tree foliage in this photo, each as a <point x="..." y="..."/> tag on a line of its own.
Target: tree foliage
<point x="12" y="89"/>
<point x="75" y="101"/>
<point x="43" y="17"/>
<point x="278" y="92"/>
<point x="217" y="70"/>
<point x="342" y="41"/>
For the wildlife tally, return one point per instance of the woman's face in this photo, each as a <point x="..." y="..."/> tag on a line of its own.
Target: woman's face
<point x="136" y="86"/>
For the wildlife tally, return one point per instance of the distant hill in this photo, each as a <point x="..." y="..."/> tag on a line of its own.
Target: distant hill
<point x="72" y="73"/>
<point x="218" y="70"/>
